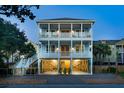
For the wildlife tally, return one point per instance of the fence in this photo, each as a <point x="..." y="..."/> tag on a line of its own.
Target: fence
<point x="100" y="68"/>
<point x="5" y="72"/>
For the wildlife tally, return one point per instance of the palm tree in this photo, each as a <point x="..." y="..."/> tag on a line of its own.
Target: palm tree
<point x="101" y="50"/>
<point x="106" y="50"/>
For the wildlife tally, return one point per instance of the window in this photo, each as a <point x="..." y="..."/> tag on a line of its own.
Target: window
<point x="53" y="48"/>
<point x="47" y="48"/>
<point x="44" y="26"/>
<point x="77" y="48"/>
<point x="77" y="27"/>
<point x="90" y="49"/>
<point x="53" y="26"/>
<point x="65" y="26"/>
<point x="86" y="27"/>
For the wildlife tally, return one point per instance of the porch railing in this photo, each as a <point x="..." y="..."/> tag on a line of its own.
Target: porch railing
<point x="66" y="54"/>
<point x="66" y="35"/>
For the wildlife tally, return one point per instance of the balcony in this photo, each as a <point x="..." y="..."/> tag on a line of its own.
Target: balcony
<point x="66" y="35"/>
<point x="85" y="54"/>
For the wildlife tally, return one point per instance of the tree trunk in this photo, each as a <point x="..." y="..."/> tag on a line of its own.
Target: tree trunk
<point x="12" y="57"/>
<point x="116" y="65"/>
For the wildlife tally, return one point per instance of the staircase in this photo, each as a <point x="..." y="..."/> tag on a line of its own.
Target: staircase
<point x="23" y="64"/>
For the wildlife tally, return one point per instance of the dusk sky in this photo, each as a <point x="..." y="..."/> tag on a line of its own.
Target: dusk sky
<point x="109" y="19"/>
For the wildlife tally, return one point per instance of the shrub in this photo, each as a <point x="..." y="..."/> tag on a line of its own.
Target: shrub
<point x="104" y="70"/>
<point x="32" y="71"/>
<point x="111" y="69"/>
<point x="60" y="70"/>
<point x="69" y="71"/>
<point x="65" y="71"/>
<point x="3" y="72"/>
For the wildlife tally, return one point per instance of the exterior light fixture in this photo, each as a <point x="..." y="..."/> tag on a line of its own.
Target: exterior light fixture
<point x="54" y="62"/>
<point x="57" y="49"/>
<point x="58" y="32"/>
<point x="72" y="32"/>
<point x="76" y="60"/>
<point x="72" y="49"/>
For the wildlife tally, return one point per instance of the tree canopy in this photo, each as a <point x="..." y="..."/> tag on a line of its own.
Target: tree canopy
<point x="19" y="11"/>
<point x="101" y="50"/>
<point x="13" y="40"/>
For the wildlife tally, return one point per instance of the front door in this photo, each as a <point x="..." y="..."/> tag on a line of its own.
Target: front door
<point x="64" y="48"/>
<point x="65" y="66"/>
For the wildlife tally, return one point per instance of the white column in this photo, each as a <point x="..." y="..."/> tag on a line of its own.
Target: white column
<point x="58" y="47"/>
<point x="84" y="48"/>
<point x="49" y="34"/>
<point x="71" y="58"/>
<point x="91" y="51"/>
<point x="39" y="60"/>
<point x="122" y="53"/>
<point x="81" y="48"/>
<point x="39" y="49"/>
<point x="71" y="49"/>
<point x="81" y="29"/>
<point x="58" y="55"/>
<point x="48" y="47"/>
<point x="59" y="31"/>
<point x="71" y="29"/>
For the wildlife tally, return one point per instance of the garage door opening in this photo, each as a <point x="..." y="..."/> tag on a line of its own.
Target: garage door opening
<point x="80" y="66"/>
<point x="49" y="66"/>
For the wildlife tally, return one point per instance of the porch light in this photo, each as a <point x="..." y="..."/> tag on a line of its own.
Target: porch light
<point x="58" y="32"/>
<point x="54" y="62"/>
<point x="72" y="32"/>
<point x="77" y="60"/>
<point x="72" y="49"/>
<point x="57" y="49"/>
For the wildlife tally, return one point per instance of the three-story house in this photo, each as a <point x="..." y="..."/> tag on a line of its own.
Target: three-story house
<point x="65" y="46"/>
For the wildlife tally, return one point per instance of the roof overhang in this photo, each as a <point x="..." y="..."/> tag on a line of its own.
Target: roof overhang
<point x="66" y="21"/>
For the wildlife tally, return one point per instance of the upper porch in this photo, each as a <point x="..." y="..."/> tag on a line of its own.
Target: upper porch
<point x="65" y="31"/>
<point x="65" y="49"/>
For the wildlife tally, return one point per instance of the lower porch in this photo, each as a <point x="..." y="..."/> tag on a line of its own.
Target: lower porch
<point x="66" y="66"/>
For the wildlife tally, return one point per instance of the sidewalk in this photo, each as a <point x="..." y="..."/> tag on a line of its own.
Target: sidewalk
<point x="62" y="79"/>
<point x="103" y="79"/>
<point x="15" y="80"/>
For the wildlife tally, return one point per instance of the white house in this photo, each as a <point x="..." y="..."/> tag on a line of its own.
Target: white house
<point x="117" y="52"/>
<point x="65" y="46"/>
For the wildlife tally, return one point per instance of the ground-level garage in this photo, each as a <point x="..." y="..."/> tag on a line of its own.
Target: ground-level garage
<point x="65" y="66"/>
